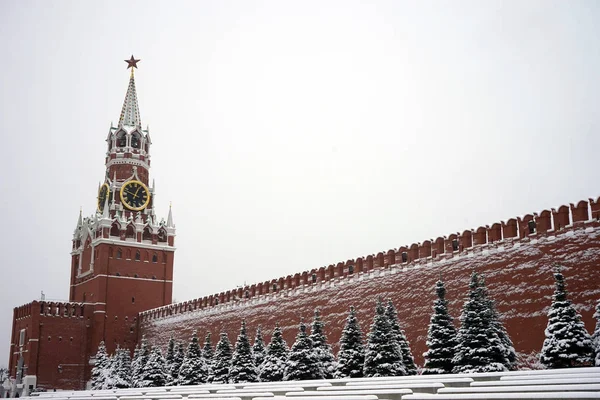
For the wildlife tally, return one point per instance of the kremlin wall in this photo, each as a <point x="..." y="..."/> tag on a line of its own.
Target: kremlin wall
<point x="515" y="256"/>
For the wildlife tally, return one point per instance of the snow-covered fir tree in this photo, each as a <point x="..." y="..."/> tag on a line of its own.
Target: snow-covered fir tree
<point x="351" y="356"/>
<point x="178" y="358"/>
<point x="508" y="349"/>
<point x="325" y="356"/>
<point x="567" y="343"/>
<point x="407" y="358"/>
<point x="135" y="367"/>
<point x="273" y="366"/>
<point x="193" y="369"/>
<point x="259" y="350"/>
<point x="101" y="366"/>
<point x="221" y="361"/>
<point x="478" y="349"/>
<point x="207" y="350"/>
<point x="110" y="372"/>
<point x="121" y="369"/>
<point x="170" y="353"/>
<point x="140" y="358"/>
<point x="302" y="362"/>
<point x="154" y="373"/>
<point x="441" y="336"/>
<point x="383" y="356"/>
<point x="208" y="353"/>
<point x="242" y="368"/>
<point x="596" y="336"/>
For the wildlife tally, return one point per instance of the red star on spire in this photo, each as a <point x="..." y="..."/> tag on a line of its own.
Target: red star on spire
<point x="132" y="62"/>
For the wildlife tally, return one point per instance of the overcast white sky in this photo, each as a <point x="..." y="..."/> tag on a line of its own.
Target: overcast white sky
<point x="292" y="134"/>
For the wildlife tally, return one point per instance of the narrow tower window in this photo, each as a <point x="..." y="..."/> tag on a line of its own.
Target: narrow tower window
<point x="147" y="234"/>
<point x="121" y="139"/>
<point x="135" y="140"/>
<point x="137" y="255"/>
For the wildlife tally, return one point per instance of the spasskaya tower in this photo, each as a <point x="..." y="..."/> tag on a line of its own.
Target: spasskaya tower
<point x="122" y="256"/>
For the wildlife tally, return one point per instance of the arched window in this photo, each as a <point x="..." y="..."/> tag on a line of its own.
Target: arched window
<point x="136" y="140"/>
<point x="119" y="253"/>
<point x="130" y="233"/>
<point x="115" y="230"/>
<point x="121" y="139"/>
<point x="137" y="255"/>
<point x="154" y="258"/>
<point x="147" y="234"/>
<point x="162" y="235"/>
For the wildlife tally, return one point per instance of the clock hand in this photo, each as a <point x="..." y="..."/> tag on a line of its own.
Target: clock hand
<point x="137" y="191"/>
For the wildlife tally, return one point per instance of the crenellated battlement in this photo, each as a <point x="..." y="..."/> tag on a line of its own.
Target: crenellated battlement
<point x="50" y="309"/>
<point x="507" y="233"/>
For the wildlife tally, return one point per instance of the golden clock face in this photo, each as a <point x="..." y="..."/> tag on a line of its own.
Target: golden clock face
<point x="103" y="193"/>
<point x="135" y="195"/>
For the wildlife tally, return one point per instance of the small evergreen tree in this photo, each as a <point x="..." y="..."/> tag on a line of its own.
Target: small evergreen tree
<point x="400" y="337"/>
<point x="135" y="366"/>
<point x="154" y="373"/>
<point x="176" y="365"/>
<point x="140" y="358"/>
<point x="302" y="362"/>
<point x="479" y="348"/>
<point x="208" y="353"/>
<point x="121" y="374"/>
<point x="508" y="349"/>
<point x="109" y="381"/>
<point x="242" y="368"/>
<point x="100" y="370"/>
<point x="273" y="366"/>
<point x="170" y="353"/>
<point x="383" y="356"/>
<point x="258" y="349"/>
<point x="441" y="336"/>
<point x="221" y="361"/>
<point x="567" y="342"/>
<point x="596" y="336"/>
<point x="193" y="369"/>
<point x="326" y="360"/>
<point x="351" y="356"/>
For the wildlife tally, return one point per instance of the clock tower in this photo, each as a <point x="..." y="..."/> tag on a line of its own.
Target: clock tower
<point x="122" y="256"/>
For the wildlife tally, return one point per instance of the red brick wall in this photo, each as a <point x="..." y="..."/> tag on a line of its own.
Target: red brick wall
<point x="519" y="278"/>
<point x="127" y="287"/>
<point x="58" y="337"/>
<point x="517" y="265"/>
<point x="125" y="171"/>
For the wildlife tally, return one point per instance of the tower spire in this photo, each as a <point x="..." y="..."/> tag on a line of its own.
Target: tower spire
<point x="130" y="113"/>
<point x="170" y="218"/>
